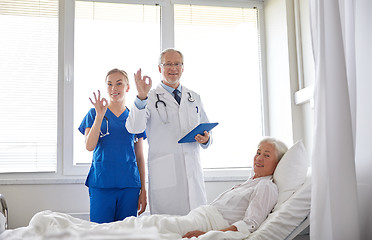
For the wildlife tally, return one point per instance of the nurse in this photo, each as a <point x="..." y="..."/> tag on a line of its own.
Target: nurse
<point x="167" y="113"/>
<point x="116" y="179"/>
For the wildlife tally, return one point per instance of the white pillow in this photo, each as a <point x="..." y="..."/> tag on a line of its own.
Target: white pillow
<point x="291" y="171"/>
<point x="288" y="217"/>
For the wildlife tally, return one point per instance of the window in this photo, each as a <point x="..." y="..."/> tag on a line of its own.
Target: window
<point x="110" y="35"/>
<point x="221" y="47"/>
<point x="29" y="80"/>
<point x="47" y="74"/>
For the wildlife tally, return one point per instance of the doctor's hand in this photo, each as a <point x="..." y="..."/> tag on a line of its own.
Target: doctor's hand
<point x="100" y="104"/>
<point x="203" y="139"/>
<point x="143" y="87"/>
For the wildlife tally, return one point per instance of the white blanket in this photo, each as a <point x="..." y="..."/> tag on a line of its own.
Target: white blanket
<point x="52" y="225"/>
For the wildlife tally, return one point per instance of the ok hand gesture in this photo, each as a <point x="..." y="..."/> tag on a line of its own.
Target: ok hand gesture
<point x="100" y="104"/>
<point x="143" y="87"/>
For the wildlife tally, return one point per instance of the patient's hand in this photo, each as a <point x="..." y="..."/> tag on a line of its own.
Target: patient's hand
<point x="195" y="233"/>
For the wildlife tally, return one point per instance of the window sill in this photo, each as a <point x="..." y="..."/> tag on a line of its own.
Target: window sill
<point x="305" y="95"/>
<point x="227" y="175"/>
<point x="42" y="181"/>
<point x="210" y="175"/>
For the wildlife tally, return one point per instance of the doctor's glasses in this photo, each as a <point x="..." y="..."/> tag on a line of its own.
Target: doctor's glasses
<point x="101" y="135"/>
<point x="169" y="65"/>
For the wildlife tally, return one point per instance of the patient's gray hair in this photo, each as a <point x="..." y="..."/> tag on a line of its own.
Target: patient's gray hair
<point x="280" y="147"/>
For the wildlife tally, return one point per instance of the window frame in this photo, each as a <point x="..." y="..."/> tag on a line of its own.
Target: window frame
<point x="65" y="166"/>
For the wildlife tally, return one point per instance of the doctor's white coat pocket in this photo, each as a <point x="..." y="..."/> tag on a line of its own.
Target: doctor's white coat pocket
<point x="162" y="173"/>
<point x="193" y="114"/>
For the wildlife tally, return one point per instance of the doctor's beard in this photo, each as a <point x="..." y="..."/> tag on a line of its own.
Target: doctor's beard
<point x="172" y="83"/>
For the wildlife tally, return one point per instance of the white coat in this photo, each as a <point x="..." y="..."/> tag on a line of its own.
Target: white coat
<point x="176" y="182"/>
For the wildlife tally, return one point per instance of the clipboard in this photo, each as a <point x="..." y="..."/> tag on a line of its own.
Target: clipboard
<point x="190" y="137"/>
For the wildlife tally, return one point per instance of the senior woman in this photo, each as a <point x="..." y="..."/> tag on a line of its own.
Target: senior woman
<point x="247" y="205"/>
<point x="236" y="212"/>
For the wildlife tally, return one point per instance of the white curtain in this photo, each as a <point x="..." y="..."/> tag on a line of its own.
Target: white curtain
<point x="341" y="194"/>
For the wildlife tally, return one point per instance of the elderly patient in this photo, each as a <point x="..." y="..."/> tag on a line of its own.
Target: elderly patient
<point x="238" y="211"/>
<point x="247" y="205"/>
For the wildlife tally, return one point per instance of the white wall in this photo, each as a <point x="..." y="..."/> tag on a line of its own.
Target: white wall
<point x="308" y="70"/>
<point x="288" y="121"/>
<point x="278" y="72"/>
<point x="25" y="200"/>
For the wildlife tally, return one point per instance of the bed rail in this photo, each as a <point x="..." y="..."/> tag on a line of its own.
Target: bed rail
<point x="4" y="212"/>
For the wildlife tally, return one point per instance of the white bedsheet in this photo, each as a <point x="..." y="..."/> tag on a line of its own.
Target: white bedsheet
<point x="53" y="225"/>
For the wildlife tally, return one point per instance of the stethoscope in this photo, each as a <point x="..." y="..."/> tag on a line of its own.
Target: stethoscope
<point x="190" y="99"/>
<point x="101" y="134"/>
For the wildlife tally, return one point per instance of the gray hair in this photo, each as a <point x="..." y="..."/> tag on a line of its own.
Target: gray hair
<point x="280" y="147"/>
<point x="169" y="50"/>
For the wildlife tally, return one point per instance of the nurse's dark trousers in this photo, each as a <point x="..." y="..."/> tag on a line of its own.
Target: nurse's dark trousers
<point x="112" y="204"/>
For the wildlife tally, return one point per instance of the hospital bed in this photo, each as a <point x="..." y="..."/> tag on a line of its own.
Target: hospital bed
<point x="289" y="217"/>
<point x="3" y="214"/>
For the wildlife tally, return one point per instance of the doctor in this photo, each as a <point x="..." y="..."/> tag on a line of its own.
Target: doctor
<point x="176" y="183"/>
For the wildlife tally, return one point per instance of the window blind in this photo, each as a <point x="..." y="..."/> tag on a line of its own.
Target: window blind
<point x="32" y="8"/>
<point x="213" y="16"/>
<point x="29" y="81"/>
<point x="116" y="11"/>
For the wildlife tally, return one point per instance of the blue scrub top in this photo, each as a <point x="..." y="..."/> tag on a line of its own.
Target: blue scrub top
<point x="114" y="162"/>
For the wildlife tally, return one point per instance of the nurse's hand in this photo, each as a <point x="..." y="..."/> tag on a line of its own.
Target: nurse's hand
<point x="142" y="202"/>
<point x="203" y="139"/>
<point x="143" y="84"/>
<point x="100" y="104"/>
